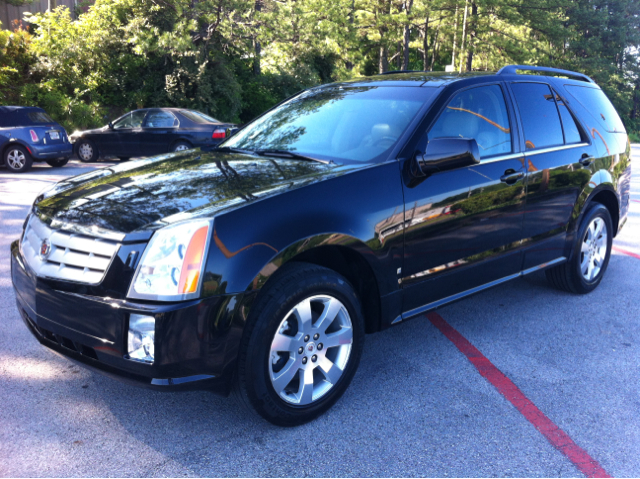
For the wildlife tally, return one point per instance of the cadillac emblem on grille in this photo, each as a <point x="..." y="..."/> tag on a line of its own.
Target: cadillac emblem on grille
<point x="45" y="248"/>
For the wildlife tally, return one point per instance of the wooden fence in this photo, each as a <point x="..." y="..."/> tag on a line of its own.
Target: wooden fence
<point x="9" y="13"/>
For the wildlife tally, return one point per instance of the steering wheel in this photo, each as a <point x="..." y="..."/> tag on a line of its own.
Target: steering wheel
<point x="390" y="139"/>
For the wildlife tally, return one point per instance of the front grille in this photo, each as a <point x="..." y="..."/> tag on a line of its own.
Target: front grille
<point x="71" y="257"/>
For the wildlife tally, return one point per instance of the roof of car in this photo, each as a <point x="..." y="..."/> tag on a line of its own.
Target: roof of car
<point x="9" y="109"/>
<point x="438" y="79"/>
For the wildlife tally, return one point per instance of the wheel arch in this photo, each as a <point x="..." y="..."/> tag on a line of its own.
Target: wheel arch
<point x="341" y="253"/>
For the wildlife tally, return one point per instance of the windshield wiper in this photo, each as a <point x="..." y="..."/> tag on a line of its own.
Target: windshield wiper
<point x="228" y="149"/>
<point x="290" y="154"/>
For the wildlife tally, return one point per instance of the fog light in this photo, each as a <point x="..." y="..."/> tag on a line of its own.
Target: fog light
<point x="141" y="337"/>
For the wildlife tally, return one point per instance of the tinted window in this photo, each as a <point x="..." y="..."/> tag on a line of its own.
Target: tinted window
<point x="39" y="117"/>
<point x="478" y="113"/>
<point x="597" y="103"/>
<point x="345" y="123"/>
<point x="197" y="117"/>
<point x="569" y="126"/>
<point x="160" y="119"/>
<point x="539" y="115"/>
<point x="130" y="120"/>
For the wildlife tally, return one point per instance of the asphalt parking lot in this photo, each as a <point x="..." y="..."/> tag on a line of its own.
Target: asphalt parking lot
<point x="417" y="406"/>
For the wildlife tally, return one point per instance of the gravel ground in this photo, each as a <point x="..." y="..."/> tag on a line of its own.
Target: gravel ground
<point x="417" y="407"/>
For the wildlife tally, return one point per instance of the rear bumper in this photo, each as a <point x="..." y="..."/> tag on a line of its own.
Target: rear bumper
<point x="196" y="341"/>
<point x="49" y="152"/>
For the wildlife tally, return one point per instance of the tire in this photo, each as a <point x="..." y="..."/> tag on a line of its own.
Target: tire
<point x="17" y="159"/>
<point x="181" y="146"/>
<point x="58" y="163"/>
<point x="274" y="326"/>
<point x="87" y="151"/>
<point x="592" y="248"/>
<point x="123" y="158"/>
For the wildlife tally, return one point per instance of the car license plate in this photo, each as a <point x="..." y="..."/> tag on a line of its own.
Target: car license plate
<point x="54" y="135"/>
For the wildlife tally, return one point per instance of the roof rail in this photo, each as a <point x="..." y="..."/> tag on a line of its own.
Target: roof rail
<point x="512" y="70"/>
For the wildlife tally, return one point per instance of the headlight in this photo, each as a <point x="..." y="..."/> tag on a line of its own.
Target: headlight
<point x="171" y="266"/>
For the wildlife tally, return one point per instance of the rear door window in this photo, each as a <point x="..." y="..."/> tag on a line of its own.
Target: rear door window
<point x="160" y="119"/>
<point x="479" y="113"/>
<point x="539" y="114"/>
<point x="597" y="103"/>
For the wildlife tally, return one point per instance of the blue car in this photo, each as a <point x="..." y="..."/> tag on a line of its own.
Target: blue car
<point x="31" y="135"/>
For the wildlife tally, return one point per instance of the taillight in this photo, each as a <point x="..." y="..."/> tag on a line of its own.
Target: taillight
<point x="219" y="134"/>
<point x="34" y="136"/>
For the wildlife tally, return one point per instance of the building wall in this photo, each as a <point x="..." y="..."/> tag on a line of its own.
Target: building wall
<point x="9" y="13"/>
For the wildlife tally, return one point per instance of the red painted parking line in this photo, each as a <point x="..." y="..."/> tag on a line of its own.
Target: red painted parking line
<point x="556" y="436"/>
<point x="624" y="251"/>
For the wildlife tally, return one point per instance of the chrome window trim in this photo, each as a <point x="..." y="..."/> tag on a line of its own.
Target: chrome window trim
<point x="531" y="153"/>
<point x="554" y="148"/>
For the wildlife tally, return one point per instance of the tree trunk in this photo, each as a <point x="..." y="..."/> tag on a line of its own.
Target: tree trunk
<point x="383" y="64"/>
<point x="257" y="48"/>
<point x="472" y="34"/>
<point x="434" y="52"/>
<point x="455" y="37"/>
<point x="635" y="112"/>
<point x="464" y="33"/>
<point x="407" y="36"/>
<point x="425" y="44"/>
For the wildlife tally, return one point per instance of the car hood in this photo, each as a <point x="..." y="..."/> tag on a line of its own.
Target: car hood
<point x="143" y="195"/>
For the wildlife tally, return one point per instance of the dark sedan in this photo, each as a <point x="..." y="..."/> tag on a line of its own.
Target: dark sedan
<point x="150" y="131"/>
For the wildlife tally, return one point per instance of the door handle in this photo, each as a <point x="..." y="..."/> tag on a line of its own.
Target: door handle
<point x="586" y="160"/>
<point x="510" y="177"/>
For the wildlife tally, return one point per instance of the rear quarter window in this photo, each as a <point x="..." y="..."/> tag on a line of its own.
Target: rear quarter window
<point x="597" y="103"/>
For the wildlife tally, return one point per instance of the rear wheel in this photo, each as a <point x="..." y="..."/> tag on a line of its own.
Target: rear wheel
<point x="17" y="159"/>
<point x="302" y="347"/>
<point x="58" y="163"/>
<point x="181" y="146"/>
<point x="591" y="253"/>
<point x="87" y="151"/>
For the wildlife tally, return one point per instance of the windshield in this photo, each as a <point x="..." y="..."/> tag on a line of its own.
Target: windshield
<point x="346" y="124"/>
<point x="198" y="117"/>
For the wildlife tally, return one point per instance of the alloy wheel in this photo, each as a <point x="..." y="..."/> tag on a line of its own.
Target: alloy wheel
<point x="594" y="249"/>
<point x="181" y="147"/>
<point x="16" y="159"/>
<point x="310" y="350"/>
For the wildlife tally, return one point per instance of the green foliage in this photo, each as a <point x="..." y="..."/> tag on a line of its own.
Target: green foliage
<point x="15" y="61"/>
<point x="234" y="59"/>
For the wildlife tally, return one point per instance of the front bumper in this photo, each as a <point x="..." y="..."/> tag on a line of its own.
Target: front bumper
<point x="196" y="342"/>
<point x="48" y="152"/>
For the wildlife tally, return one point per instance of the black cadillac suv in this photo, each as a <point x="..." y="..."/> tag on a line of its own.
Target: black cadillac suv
<point x="258" y="266"/>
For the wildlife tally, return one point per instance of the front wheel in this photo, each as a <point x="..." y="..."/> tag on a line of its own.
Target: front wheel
<point x="17" y="159"/>
<point x="302" y="345"/>
<point x="58" y="163"/>
<point x="591" y="253"/>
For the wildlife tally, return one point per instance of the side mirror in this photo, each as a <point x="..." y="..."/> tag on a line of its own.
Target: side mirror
<point x="110" y="126"/>
<point x="446" y="154"/>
